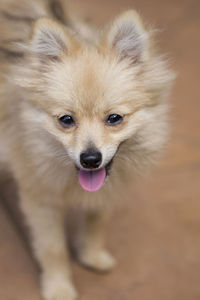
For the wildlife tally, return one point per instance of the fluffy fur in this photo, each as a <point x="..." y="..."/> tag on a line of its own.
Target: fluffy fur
<point x="57" y="67"/>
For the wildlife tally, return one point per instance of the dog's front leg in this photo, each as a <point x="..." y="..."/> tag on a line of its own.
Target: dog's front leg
<point x="91" y="252"/>
<point x="46" y="224"/>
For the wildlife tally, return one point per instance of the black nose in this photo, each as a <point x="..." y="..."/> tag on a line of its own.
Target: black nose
<point x="91" y="160"/>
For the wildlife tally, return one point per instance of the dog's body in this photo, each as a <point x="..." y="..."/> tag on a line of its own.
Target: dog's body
<point x="64" y="97"/>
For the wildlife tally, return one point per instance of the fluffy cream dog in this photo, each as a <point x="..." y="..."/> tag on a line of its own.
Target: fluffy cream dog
<point x="77" y="116"/>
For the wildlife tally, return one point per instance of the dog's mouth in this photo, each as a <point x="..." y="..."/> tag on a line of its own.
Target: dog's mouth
<point x="93" y="180"/>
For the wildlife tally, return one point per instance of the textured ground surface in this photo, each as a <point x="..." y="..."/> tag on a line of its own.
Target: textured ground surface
<point x="155" y="233"/>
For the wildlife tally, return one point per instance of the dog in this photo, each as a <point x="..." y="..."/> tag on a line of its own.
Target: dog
<point x="81" y="112"/>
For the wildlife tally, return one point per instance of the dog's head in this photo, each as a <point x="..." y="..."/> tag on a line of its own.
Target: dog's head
<point x="92" y="98"/>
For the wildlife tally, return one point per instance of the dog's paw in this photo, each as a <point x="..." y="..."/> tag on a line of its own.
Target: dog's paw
<point x="59" y="291"/>
<point x="100" y="261"/>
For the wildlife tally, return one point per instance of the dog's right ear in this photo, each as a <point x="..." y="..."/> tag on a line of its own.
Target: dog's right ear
<point x="51" y="40"/>
<point x="127" y="37"/>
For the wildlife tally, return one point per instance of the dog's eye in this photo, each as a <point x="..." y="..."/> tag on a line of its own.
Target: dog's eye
<point x="114" y="119"/>
<point x="66" y="121"/>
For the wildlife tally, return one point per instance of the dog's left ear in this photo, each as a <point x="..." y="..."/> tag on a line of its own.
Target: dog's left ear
<point x="51" y="40"/>
<point x="127" y="37"/>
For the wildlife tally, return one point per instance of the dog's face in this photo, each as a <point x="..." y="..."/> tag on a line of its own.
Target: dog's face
<point x="92" y="98"/>
<point x="94" y="106"/>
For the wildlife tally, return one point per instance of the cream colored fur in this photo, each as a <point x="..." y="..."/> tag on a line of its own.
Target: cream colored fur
<point x="59" y="71"/>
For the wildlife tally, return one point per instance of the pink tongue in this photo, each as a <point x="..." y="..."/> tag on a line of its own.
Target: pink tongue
<point x="92" y="181"/>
